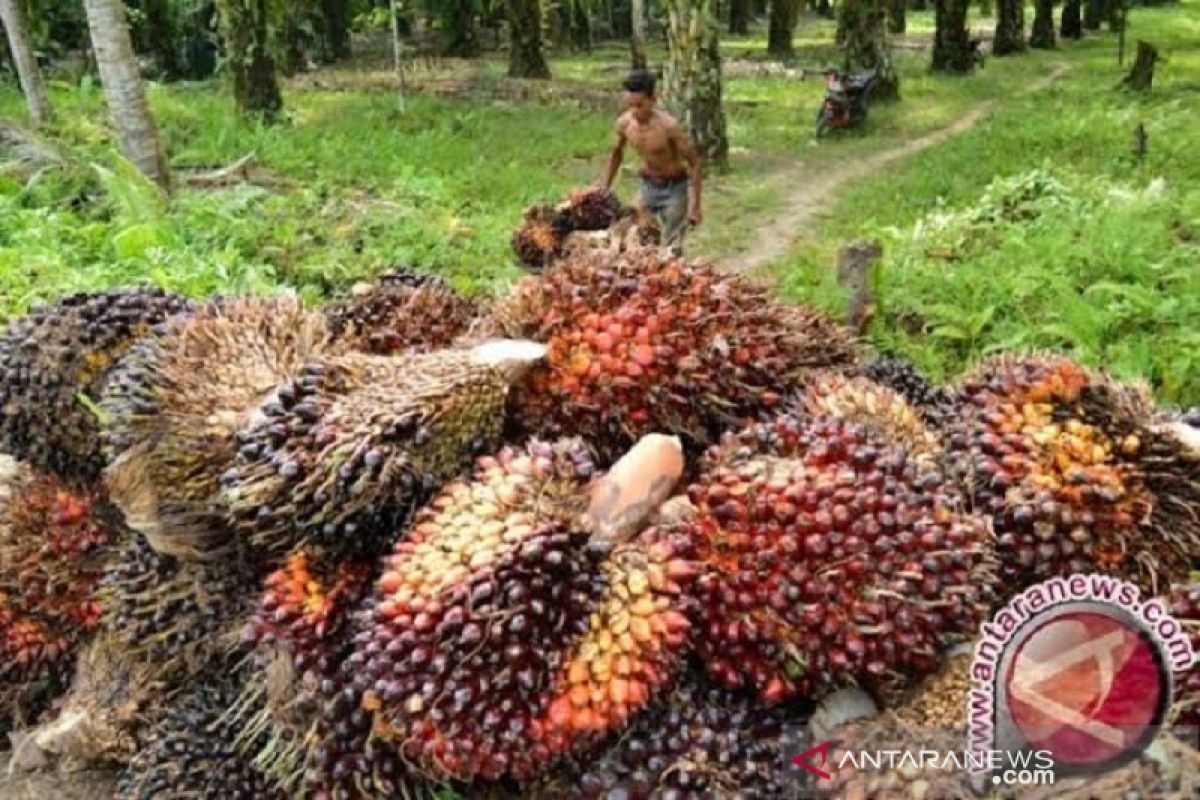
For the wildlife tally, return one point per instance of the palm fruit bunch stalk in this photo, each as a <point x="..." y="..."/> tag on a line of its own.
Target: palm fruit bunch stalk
<point x="931" y="716"/>
<point x="174" y="406"/>
<point x="592" y="208"/>
<point x="298" y="635"/>
<point x="538" y="240"/>
<point x="1077" y="472"/>
<point x="1184" y="604"/>
<point x="183" y="616"/>
<point x="883" y="411"/>
<point x="642" y="343"/>
<point x="190" y="754"/>
<point x="338" y="456"/>
<point x="829" y="556"/>
<point x="933" y="402"/>
<point x="53" y="542"/>
<point x="392" y="317"/>
<point x="506" y="629"/>
<point x="696" y="741"/>
<point x="56" y="359"/>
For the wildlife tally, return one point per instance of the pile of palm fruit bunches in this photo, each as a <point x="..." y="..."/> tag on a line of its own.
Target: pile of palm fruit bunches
<point x="617" y="533"/>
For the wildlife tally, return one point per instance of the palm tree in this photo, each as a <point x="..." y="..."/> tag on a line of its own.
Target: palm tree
<point x="246" y="27"/>
<point x="693" y="75"/>
<point x="1010" y="28"/>
<point x="637" y="36"/>
<point x="525" y="59"/>
<point x="951" y="41"/>
<point x="13" y="18"/>
<point x="123" y="89"/>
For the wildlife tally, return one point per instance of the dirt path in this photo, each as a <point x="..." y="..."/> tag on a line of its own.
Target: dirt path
<point x="813" y="191"/>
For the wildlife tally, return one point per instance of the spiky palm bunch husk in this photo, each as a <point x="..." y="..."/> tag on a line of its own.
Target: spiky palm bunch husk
<point x="1185" y="607"/>
<point x="642" y="343"/>
<point x="398" y="276"/>
<point x="394" y="318"/>
<point x="56" y="359"/>
<point x="696" y="741"/>
<point x="189" y="753"/>
<point x="592" y="208"/>
<point x="175" y="404"/>
<point x="298" y="634"/>
<point x="501" y="635"/>
<point x="931" y="716"/>
<point x="538" y="241"/>
<point x="828" y="557"/>
<point x="53" y="544"/>
<point x="180" y="615"/>
<point x="340" y="455"/>
<point x="879" y="409"/>
<point x="932" y="401"/>
<point x="1077" y="472"/>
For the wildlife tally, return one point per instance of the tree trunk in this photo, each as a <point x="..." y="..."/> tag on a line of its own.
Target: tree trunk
<point x="985" y="8"/>
<point x="336" y="33"/>
<point x="637" y="39"/>
<point x="1141" y="76"/>
<point x="525" y="58"/>
<point x="13" y="17"/>
<point x="951" y="41"/>
<point x="291" y="41"/>
<point x="918" y="5"/>
<point x="867" y="46"/>
<point x="739" y="16"/>
<point x="897" y="23"/>
<point x="1072" y="22"/>
<point x="1010" y="28"/>
<point x="581" y="26"/>
<point x="1113" y="10"/>
<point x="161" y="37"/>
<point x="123" y="89"/>
<point x="398" y="57"/>
<point x="693" y="75"/>
<point x="781" y="26"/>
<point x="1042" y="35"/>
<point x="825" y="9"/>
<point x="460" y="37"/>
<point x="248" y="50"/>
<point x="1093" y="13"/>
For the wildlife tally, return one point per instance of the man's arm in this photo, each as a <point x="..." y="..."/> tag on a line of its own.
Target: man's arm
<point x="685" y="148"/>
<point x="614" y="157"/>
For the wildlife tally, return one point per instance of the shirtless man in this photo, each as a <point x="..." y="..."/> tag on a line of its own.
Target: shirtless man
<point x="670" y="165"/>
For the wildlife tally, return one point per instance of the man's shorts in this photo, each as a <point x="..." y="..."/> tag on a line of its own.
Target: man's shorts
<point x="667" y="199"/>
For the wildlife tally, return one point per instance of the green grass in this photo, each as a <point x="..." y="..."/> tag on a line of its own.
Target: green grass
<point x="357" y="186"/>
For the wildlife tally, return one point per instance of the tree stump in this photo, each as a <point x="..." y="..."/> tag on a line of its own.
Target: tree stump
<point x="855" y="263"/>
<point x="1141" y="76"/>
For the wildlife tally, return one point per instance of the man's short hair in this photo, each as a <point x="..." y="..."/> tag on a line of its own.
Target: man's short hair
<point x="640" y="81"/>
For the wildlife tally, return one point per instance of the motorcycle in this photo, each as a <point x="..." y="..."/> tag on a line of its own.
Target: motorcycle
<point x="845" y="103"/>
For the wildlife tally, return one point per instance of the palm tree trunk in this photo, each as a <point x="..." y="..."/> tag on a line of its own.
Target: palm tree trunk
<point x="1042" y="35"/>
<point x="248" y="47"/>
<point x="739" y="16"/>
<point x="336" y="34"/>
<point x="123" y="89"/>
<point x="781" y="27"/>
<point x="525" y="59"/>
<point x="1010" y="28"/>
<point x="867" y="45"/>
<point x="693" y="75"/>
<point x="951" y="41"/>
<point x="13" y="17"/>
<point x="637" y="39"/>
<point x="1072" y="23"/>
<point x="897" y="18"/>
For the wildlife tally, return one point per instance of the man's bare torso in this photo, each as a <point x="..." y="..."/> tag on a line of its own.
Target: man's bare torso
<point x="653" y="142"/>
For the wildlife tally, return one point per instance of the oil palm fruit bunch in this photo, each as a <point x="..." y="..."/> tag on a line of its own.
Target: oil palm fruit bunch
<point x="190" y="754"/>
<point x="56" y="359"/>
<point x="173" y="409"/>
<point x="53" y="543"/>
<point x="883" y="411"/>
<point x="298" y="635"/>
<point x="386" y="318"/>
<point x="829" y="556"/>
<point x="180" y="615"/>
<point x="932" y="716"/>
<point x="642" y="343"/>
<point x="339" y="455"/>
<point x="932" y="401"/>
<point x="1185" y="607"/>
<point x="538" y="241"/>
<point x="505" y="630"/>
<point x="592" y="208"/>
<point x="1077" y="472"/>
<point x="695" y="741"/>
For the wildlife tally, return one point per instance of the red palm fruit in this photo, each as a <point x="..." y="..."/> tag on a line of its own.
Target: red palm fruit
<point x="174" y="406"/>
<point x="1185" y="607"/>
<point x="640" y="343"/>
<point x="829" y="556"/>
<point x="504" y="632"/>
<point x="592" y="208"/>
<point x="299" y="633"/>
<point x="539" y="239"/>
<point x="390" y="317"/>
<point x="932" y="401"/>
<point x="53" y="544"/>
<point x="59" y="353"/>
<point x="1077" y="472"/>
